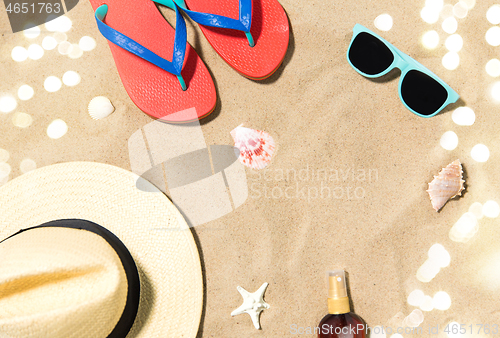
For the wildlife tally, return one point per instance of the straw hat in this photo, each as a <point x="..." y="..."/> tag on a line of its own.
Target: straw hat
<point x="71" y="272"/>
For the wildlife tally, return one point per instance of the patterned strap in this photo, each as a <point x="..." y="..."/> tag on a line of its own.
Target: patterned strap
<point x="243" y="24"/>
<point x="180" y="41"/>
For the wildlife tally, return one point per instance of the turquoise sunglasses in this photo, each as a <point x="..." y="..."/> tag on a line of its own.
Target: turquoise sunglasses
<point x="421" y="91"/>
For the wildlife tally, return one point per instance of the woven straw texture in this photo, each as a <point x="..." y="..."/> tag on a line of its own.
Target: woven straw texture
<point x="148" y="224"/>
<point x="58" y="283"/>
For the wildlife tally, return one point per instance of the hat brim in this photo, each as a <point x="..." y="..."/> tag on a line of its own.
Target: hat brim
<point x="149" y="225"/>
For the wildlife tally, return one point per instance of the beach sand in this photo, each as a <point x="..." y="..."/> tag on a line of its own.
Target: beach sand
<point x="376" y="221"/>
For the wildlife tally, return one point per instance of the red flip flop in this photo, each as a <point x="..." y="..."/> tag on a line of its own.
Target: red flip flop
<point x="142" y="43"/>
<point x="231" y="25"/>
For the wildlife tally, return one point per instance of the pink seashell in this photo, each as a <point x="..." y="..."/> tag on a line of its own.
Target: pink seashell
<point x="446" y="185"/>
<point x="256" y="146"/>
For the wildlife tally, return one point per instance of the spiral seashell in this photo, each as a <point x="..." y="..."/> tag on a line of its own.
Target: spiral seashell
<point x="256" y="146"/>
<point x="100" y="107"/>
<point x="446" y="185"/>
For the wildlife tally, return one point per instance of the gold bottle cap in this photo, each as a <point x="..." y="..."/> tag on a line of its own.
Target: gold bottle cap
<point x="338" y="301"/>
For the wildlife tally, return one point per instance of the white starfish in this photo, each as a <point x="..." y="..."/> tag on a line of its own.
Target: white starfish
<point x="253" y="304"/>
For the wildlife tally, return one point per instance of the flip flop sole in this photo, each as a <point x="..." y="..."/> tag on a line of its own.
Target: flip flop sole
<point x="269" y="29"/>
<point x="153" y="90"/>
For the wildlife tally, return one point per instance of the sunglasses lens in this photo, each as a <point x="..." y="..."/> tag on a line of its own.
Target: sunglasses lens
<point x="369" y="55"/>
<point x="422" y="93"/>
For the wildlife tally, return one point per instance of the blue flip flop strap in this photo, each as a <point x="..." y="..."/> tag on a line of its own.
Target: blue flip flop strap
<point x="243" y="24"/>
<point x="180" y="41"/>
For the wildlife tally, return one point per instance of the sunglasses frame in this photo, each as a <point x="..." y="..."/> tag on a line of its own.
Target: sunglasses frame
<point x="404" y="63"/>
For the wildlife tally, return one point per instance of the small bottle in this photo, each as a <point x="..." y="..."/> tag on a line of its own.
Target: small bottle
<point x="340" y="322"/>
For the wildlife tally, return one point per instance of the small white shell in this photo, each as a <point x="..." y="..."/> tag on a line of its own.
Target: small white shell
<point x="100" y="107"/>
<point x="446" y="185"/>
<point x="256" y="146"/>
